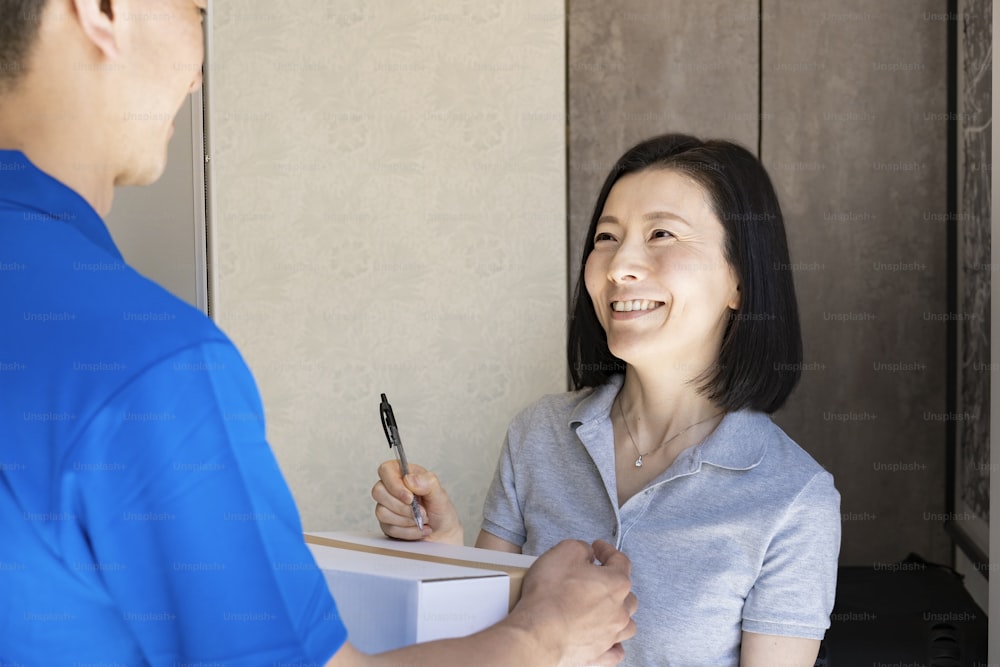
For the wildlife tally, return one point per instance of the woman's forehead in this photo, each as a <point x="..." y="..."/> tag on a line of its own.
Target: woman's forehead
<point x="658" y="191"/>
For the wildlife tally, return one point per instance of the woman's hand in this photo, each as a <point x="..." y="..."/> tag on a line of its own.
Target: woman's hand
<point x="393" y="494"/>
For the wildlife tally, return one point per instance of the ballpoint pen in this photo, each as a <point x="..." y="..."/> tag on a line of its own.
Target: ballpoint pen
<point x="392" y="435"/>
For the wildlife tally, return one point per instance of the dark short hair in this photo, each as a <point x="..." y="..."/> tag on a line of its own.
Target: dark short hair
<point x="19" y="21"/>
<point x="760" y="358"/>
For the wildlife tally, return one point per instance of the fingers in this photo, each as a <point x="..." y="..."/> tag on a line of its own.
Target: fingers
<point x="614" y="560"/>
<point x="420" y="482"/>
<point x="382" y="496"/>
<point x="629" y="629"/>
<point x="617" y="563"/>
<point x="400" y="524"/>
<point x="611" y="557"/>
<point x="392" y="508"/>
<point x="393" y="495"/>
<point x="574" y="550"/>
<point x="631" y="604"/>
<point x="624" y="622"/>
<point x="613" y="656"/>
<point x="390" y="476"/>
<point x="584" y="607"/>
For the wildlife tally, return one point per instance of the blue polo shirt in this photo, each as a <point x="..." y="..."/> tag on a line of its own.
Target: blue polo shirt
<point x="143" y="517"/>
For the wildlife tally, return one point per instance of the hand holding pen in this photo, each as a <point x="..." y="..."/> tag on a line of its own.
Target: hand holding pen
<point x="400" y="515"/>
<point x="392" y="435"/>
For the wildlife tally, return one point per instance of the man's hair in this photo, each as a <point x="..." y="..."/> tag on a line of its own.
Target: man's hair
<point x="761" y="355"/>
<point x="19" y="21"/>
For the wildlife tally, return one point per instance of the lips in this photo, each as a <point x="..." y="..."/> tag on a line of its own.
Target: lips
<point x="634" y="305"/>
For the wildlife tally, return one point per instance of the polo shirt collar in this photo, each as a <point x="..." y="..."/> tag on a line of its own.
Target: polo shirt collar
<point x="735" y="444"/>
<point x="25" y="187"/>
<point x="597" y="405"/>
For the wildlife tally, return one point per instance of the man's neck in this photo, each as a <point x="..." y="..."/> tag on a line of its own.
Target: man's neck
<point x="63" y="139"/>
<point x="56" y="111"/>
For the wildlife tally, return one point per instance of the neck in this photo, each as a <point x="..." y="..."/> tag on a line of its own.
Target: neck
<point x="58" y="146"/>
<point x="52" y="113"/>
<point x="658" y="406"/>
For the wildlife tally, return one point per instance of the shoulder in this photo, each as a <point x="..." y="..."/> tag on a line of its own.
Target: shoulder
<point x="138" y="324"/>
<point x="95" y="304"/>
<point x="777" y="448"/>
<point x="554" y="420"/>
<point x="566" y="408"/>
<point x="780" y="466"/>
<point x="84" y="320"/>
<point x="152" y="319"/>
<point x="799" y="473"/>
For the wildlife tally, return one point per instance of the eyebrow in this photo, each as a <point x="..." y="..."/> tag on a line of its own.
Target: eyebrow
<point x="654" y="215"/>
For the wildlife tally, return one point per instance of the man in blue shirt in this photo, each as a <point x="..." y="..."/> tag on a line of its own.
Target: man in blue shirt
<point x="142" y="510"/>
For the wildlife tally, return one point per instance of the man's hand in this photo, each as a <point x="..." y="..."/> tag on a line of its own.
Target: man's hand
<point x="392" y="495"/>
<point x="578" y="611"/>
<point x="572" y="612"/>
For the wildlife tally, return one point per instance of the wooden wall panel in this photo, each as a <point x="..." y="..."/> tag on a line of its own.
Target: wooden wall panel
<point x="638" y="68"/>
<point x="854" y="137"/>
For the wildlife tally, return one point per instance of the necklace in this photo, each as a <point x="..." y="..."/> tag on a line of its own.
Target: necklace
<point x="638" y="461"/>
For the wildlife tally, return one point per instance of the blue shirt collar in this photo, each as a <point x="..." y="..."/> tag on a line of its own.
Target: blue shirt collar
<point x="735" y="443"/>
<point x="40" y="198"/>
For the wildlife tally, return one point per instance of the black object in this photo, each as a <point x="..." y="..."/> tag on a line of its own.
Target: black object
<point x="912" y="613"/>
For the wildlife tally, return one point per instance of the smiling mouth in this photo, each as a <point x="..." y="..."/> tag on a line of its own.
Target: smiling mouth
<point x="636" y="304"/>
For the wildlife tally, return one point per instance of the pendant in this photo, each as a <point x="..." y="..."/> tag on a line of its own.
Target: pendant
<point x="638" y="461"/>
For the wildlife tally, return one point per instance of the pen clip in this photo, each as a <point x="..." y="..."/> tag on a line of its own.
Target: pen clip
<point x="388" y="421"/>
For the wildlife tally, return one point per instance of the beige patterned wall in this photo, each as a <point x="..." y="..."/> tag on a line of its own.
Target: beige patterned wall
<point x="389" y="192"/>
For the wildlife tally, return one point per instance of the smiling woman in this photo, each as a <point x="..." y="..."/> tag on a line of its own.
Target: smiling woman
<point x="657" y="276"/>
<point x="734" y="224"/>
<point x="685" y="338"/>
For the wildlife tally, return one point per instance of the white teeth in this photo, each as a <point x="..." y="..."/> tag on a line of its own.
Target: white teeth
<point x="636" y="304"/>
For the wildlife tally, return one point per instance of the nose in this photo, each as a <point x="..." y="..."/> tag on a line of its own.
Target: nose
<point x="627" y="264"/>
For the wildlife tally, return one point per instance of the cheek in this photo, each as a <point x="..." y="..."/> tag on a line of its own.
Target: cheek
<point x="198" y="41"/>
<point x="593" y="275"/>
<point x="191" y="50"/>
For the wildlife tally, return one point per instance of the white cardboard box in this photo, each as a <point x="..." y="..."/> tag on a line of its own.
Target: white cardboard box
<point x="419" y="594"/>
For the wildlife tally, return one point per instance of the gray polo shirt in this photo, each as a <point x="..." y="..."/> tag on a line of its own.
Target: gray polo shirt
<point x="741" y="533"/>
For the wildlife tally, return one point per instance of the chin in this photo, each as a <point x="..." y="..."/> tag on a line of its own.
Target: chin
<point x="648" y="355"/>
<point x="631" y="353"/>
<point x="145" y="174"/>
<point x="152" y="175"/>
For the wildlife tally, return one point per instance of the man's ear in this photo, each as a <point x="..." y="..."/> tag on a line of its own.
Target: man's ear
<point x="97" y="18"/>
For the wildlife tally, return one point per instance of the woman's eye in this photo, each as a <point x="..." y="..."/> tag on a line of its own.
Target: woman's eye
<point x="662" y="234"/>
<point x="603" y="236"/>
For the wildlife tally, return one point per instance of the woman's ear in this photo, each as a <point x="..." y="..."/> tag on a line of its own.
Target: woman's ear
<point x="735" y="299"/>
<point x="97" y="19"/>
